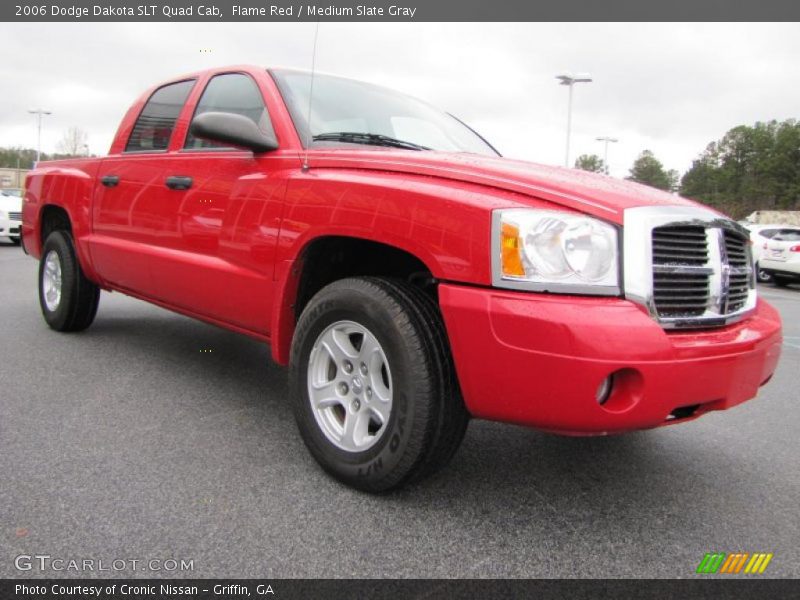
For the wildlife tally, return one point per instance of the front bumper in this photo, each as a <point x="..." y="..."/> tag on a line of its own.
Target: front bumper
<point x="9" y="228"/>
<point x="538" y="360"/>
<point x="789" y="267"/>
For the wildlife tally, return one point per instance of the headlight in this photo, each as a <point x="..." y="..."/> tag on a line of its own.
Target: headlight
<point x="548" y="250"/>
<point x="3" y="215"/>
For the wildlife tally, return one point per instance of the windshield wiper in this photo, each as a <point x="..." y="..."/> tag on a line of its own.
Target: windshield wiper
<point x="371" y="139"/>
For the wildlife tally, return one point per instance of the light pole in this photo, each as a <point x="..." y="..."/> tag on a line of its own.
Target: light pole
<point x="606" y="140"/>
<point x="39" y="112"/>
<point x="569" y="80"/>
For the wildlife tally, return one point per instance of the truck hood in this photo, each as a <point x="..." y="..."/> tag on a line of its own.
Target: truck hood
<point x="592" y="193"/>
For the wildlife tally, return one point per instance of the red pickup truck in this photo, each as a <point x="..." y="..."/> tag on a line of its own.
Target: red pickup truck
<point x="410" y="276"/>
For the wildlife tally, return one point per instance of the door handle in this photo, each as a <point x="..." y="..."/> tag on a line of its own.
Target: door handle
<point x="178" y="182"/>
<point x="109" y="180"/>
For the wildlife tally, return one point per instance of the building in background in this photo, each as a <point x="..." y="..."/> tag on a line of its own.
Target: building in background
<point x="12" y="178"/>
<point x="776" y="217"/>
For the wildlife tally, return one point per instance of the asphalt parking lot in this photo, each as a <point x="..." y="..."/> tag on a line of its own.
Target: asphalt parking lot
<point x="128" y="441"/>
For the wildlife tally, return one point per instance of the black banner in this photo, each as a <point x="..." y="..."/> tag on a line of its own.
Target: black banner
<point x="398" y="10"/>
<point x="326" y="589"/>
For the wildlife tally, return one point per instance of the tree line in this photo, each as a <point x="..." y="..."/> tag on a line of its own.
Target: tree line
<point x="750" y="168"/>
<point x="73" y="143"/>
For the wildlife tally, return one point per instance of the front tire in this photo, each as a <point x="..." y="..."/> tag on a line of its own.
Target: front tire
<point x="373" y="385"/>
<point x="67" y="298"/>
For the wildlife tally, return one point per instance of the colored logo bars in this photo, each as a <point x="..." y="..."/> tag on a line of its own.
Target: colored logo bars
<point x="719" y="562"/>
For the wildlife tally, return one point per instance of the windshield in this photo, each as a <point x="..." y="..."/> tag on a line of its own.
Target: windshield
<point x="345" y="111"/>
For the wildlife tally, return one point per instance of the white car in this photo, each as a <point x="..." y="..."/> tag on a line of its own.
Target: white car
<point x="760" y="235"/>
<point x="781" y="258"/>
<point x="10" y="217"/>
<point x="12" y="192"/>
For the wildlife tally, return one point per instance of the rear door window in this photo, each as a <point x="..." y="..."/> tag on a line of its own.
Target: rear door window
<point x="153" y="128"/>
<point x="232" y="93"/>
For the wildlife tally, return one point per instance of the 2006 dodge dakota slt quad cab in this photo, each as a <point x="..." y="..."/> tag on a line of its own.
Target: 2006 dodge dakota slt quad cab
<point x="409" y="275"/>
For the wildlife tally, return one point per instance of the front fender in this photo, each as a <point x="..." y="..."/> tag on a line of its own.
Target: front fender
<point x="445" y="224"/>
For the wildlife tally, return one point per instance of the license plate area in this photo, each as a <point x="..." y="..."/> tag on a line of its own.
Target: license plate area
<point x="777" y="254"/>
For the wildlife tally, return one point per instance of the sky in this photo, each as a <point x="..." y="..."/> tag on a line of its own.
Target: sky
<point x="668" y="87"/>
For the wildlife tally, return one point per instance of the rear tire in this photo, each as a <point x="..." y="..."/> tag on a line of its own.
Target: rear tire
<point x="67" y="298"/>
<point x="424" y="416"/>
<point x="762" y="275"/>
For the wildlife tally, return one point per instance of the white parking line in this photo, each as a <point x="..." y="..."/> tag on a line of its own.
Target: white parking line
<point x="793" y="341"/>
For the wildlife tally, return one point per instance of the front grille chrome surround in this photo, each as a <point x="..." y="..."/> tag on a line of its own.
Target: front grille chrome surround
<point x="690" y="267"/>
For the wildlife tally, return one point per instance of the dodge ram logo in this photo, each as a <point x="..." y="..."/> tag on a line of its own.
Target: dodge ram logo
<point x="721" y="279"/>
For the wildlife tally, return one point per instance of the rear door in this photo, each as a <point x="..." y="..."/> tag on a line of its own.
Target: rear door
<point x="127" y="212"/>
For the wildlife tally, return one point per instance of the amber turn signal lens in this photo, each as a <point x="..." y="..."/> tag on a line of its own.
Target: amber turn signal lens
<point x="512" y="262"/>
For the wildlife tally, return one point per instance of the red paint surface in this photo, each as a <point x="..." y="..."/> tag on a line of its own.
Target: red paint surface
<point x="538" y="360"/>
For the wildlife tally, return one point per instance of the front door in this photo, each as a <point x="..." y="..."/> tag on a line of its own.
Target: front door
<point x="214" y="256"/>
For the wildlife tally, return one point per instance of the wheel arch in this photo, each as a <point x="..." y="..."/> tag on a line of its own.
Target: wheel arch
<point x="56" y="217"/>
<point x="59" y="196"/>
<point x="53" y="217"/>
<point x="328" y="258"/>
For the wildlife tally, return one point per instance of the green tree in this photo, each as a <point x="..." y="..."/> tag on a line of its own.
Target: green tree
<point x="647" y="169"/>
<point x="674" y="179"/>
<point x="17" y="157"/>
<point x="590" y="162"/>
<point x="25" y="157"/>
<point x="750" y="168"/>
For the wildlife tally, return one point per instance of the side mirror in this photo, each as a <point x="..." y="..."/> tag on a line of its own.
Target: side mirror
<point x="233" y="130"/>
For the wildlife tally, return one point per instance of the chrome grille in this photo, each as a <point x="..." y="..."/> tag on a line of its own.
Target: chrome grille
<point x="679" y="291"/>
<point x="15" y="216"/>
<point x="680" y="245"/>
<point x="688" y="266"/>
<point x="737" y="249"/>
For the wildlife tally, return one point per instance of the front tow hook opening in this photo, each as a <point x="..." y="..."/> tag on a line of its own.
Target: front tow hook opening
<point x="683" y="412"/>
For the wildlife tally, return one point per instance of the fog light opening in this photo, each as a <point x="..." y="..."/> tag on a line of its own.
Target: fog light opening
<point x="620" y="391"/>
<point x="604" y="390"/>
